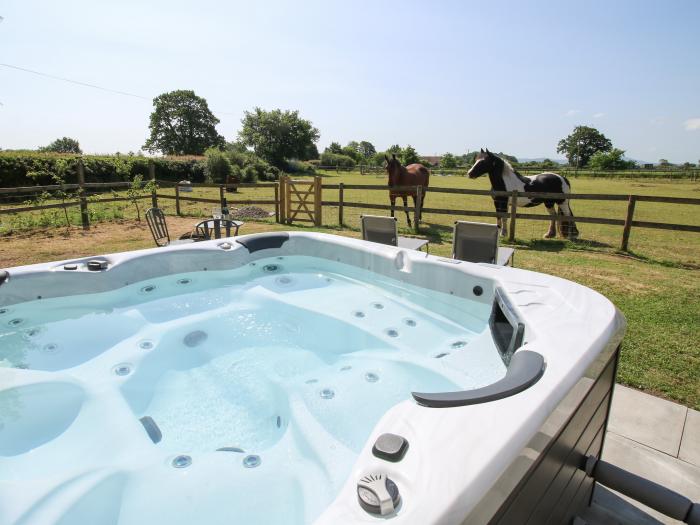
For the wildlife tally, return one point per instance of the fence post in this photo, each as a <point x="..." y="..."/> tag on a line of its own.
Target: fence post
<point x="341" y="189"/>
<point x="288" y="199"/>
<point x="417" y="207"/>
<point x="277" y="202"/>
<point x="513" y="214"/>
<point x="628" y="222"/>
<point x="177" y="198"/>
<point x="222" y="198"/>
<point x="283" y="202"/>
<point x="152" y="174"/>
<point x="318" y="207"/>
<point x="84" y="215"/>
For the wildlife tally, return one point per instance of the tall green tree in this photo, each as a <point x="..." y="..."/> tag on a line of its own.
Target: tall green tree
<point x="182" y="124"/>
<point x="63" y="145"/>
<point x="277" y="135"/>
<point x="367" y="149"/>
<point x="394" y="149"/>
<point x="448" y="161"/>
<point x="334" y="148"/>
<point x="409" y="155"/>
<point x="311" y="152"/>
<point x="352" y="150"/>
<point x="583" y="142"/>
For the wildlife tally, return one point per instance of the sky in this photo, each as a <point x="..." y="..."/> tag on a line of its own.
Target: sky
<point x="513" y="76"/>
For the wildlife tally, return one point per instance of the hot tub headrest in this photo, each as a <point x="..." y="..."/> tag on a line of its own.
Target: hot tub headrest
<point x="525" y="369"/>
<point x="263" y="241"/>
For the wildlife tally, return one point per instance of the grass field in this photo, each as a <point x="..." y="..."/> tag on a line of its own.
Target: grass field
<point x="656" y="285"/>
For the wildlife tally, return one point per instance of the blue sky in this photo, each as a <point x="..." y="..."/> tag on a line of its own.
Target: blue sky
<point x="443" y="76"/>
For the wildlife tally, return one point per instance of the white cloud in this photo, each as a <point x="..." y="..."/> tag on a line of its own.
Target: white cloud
<point x="572" y="112"/>
<point x="692" y="124"/>
<point x="598" y="115"/>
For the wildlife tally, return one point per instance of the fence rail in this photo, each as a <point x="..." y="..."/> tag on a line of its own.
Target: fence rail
<point x="282" y="207"/>
<point x="692" y="174"/>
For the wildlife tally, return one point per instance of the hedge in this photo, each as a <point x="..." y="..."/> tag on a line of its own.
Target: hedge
<point x="32" y="168"/>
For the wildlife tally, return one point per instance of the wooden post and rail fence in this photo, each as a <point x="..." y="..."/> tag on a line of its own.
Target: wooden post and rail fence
<point x="301" y="201"/>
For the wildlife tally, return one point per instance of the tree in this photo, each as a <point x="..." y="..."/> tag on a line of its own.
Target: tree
<point x="664" y="163"/>
<point x="235" y="147"/>
<point x="367" y="149"/>
<point x="63" y="145"/>
<point x="277" y="135"/>
<point x="335" y="148"/>
<point x="182" y="124"/>
<point x="467" y="159"/>
<point x="352" y="152"/>
<point x="409" y="156"/>
<point x="311" y="152"/>
<point x="610" y="160"/>
<point x="583" y="142"/>
<point x="448" y="161"/>
<point x="394" y="149"/>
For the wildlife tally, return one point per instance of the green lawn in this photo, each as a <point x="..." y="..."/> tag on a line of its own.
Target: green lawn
<point x="656" y="285"/>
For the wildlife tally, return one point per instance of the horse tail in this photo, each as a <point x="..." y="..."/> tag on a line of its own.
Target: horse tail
<point x="567" y="181"/>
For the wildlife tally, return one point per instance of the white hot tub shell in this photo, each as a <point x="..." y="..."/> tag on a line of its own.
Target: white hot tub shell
<point x="507" y="453"/>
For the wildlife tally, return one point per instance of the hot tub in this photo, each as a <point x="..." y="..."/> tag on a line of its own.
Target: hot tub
<point x="291" y="378"/>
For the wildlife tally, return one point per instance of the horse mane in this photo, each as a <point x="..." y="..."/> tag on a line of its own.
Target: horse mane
<point x="508" y="165"/>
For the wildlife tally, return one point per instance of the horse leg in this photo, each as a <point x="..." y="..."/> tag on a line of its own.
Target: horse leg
<point x="568" y="226"/>
<point x="502" y="222"/>
<point x="392" y="199"/>
<point x="405" y="208"/>
<point x="552" y="232"/>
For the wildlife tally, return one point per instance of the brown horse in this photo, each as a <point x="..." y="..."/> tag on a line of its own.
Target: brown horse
<point x="411" y="175"/>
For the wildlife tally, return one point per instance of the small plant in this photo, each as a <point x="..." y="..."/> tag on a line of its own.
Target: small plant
<point x="137" y="190"/>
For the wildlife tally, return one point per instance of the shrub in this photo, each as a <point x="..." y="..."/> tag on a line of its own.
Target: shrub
<point x="334" y="159"/>
<point x="33" y="168"/>
<point x="299" y="167"/>
<point x="217" y="168"/>
<point x="250" y="173"/>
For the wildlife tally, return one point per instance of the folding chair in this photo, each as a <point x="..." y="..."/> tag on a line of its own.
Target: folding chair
<point x="478" y="242"/>
<point x="376" y="228"/>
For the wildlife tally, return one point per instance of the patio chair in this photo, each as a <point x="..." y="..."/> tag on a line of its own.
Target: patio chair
<point x="216" y="227"/>
<point x="478" y="242"/>
<point x="376" y="228"/>
<point x="159" y="228"/>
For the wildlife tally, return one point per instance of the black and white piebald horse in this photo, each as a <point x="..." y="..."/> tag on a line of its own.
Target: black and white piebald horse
<point x="504" y="178"/>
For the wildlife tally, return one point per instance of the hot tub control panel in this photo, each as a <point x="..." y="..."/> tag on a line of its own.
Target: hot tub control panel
<point x="378" y="494"/>
<point x="390" y="447"/>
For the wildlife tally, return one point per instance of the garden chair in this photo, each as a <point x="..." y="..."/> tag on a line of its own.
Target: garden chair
<point x="159" y="229"/>
<point x="384" y="230"/>
<point x="478" y="242"/>
<point x="216" y="227"/>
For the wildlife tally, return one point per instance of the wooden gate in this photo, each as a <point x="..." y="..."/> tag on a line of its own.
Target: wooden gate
<point x="300" y="200"/>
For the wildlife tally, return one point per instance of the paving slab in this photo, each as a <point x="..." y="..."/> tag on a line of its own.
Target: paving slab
<point x="690" y="442"/>
<point x="654" y="465"/>
<point x="649" y="420"/>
